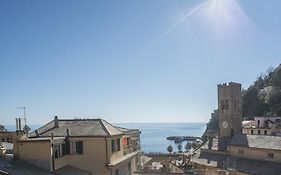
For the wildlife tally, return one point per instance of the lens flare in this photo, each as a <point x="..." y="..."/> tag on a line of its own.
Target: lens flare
<point x="223" y="19"/>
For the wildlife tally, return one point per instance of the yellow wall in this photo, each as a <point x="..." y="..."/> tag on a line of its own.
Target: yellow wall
<point x="37" y="153"/>
<point x="254" y="153"/>
<point x="115" y="155"/>
<point x="93" y="158"/>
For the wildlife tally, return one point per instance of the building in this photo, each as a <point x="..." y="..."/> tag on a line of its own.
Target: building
<point x="230" y="112"/>
<point x="263" y="126"/>
<point x="81" y="146"/>
<point x="258" y="147"/>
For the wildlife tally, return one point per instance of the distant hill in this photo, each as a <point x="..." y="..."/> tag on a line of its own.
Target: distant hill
<point x="263" y="98"/>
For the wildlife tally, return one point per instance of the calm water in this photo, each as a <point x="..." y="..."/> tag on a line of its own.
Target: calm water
<point x="153" y="136"/>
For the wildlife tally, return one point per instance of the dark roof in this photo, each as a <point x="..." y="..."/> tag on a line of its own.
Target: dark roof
<point x="257" y="141"/>
<point x="78" y="127"/>
<point x="70" y="170"/>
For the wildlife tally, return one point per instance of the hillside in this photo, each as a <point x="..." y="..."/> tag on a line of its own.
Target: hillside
<point x="263" y="98"/>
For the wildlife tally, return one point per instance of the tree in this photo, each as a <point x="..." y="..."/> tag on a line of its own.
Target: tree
<point x="179" y="147"/>
<point x="187" y="147"/>
<point x="194" y="145"/>
<point x="170" y="149"/>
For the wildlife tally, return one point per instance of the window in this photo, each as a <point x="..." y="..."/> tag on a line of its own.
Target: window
<point x="58" y="150"/>
<point x="113" y="146"/>
<point x="118" y="144"/>
<point x="259" y="131"/>
<point x="117" y="172"/>
<point x="234" y="104"/>
<point x="271" y="155"/>
<point x="74" y="147"/>
<point x="79" y="147"/>
<point x="129" y="168"/>
<point x="241" y="151"/>
<point x="226" y="104"/>
<point x="252" y="131"/>
<point x="265" y="132"/>
<point x="222" y="105"/>
<point x="128" y="141"/>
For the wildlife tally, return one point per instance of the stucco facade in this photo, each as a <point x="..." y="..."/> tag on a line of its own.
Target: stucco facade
<point x="255" y="153"/>
<point x="112" y="154"/>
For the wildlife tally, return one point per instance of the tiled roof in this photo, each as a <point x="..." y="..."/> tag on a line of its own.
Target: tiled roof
<point x="77" y="127"/>
<point x="257" y="141"/>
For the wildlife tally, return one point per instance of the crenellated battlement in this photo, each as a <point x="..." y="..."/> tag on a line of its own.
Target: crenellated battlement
<point x="230" y="84"/>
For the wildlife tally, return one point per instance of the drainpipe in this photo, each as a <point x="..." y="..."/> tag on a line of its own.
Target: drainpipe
<point x="106" y="154"/>
<point x="52" y="153"/>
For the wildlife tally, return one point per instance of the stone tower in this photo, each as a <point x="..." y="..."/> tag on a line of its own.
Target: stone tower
<point x="230" y="110"/>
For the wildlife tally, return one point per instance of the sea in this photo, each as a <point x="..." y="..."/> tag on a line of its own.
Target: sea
<point x="154" y="135"/>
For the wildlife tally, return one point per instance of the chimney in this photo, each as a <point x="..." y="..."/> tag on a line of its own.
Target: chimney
<point x="67" y="132"/>
<point x="56" y="122"/>
<point x="20" y="124"/>
<point x="17" y="124"/>
<point x="37" y="133"/>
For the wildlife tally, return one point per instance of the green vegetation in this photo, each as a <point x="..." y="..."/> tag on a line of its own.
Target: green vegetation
<point x="179" y="147"/>
<point x="263" y="98"/>
<point x="170" y="148"/>
<point x="188" y="146"/>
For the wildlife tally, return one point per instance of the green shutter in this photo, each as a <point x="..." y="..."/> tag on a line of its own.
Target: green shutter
<point x="118" y="144"/>
<point x="113" y="146"/>
<point x="79" y="147"/>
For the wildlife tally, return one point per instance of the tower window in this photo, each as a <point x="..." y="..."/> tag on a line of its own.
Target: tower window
<point x="271" y="155"/>
<point x="226" y="104"/>
<point x="222" y="105"/>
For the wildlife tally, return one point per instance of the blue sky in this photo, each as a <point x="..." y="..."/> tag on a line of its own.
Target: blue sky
<point x="130" y="61"/>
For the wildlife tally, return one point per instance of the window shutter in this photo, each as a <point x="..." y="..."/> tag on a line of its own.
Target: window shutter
<point x="112" y="146"/>
<point x="79" y="147"/>
<point x="63" y="149"/>
<point x="118" y="144"/>
<point x="67" y="147"/>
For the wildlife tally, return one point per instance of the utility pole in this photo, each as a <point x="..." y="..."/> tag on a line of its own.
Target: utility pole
<point x="24" y="113"/>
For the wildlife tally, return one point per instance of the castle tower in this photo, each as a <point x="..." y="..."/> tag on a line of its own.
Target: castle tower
<point x="230" y="110"/>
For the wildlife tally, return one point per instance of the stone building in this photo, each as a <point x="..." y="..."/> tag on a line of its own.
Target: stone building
<point x="81" y="146"/>
<point x="257" y="147"/>
<point x="230" y="112"/>
<point x="263" y="126"/>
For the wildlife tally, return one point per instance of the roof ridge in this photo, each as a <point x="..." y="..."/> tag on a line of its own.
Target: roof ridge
<point x="82" y="119"/>
<point x="103" y="126"/>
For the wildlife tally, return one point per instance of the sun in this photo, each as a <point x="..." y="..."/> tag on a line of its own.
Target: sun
<point x="223" y="19"/>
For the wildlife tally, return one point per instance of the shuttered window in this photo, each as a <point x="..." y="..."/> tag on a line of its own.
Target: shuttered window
<point x="118" y="144"/>
<point x="79" y="147"/>
<point x="113" y="146"/>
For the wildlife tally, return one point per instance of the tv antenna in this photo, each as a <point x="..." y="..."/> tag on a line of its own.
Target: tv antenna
<point x="24" y="113"/>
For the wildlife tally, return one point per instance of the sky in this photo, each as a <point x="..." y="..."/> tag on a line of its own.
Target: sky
<point x="130" y="61"/>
